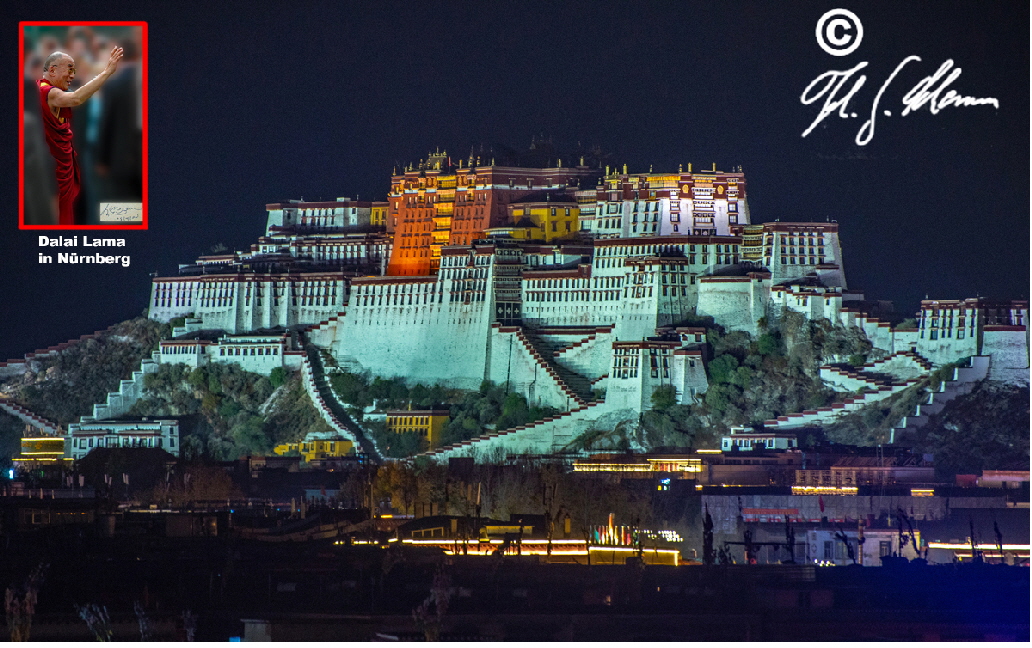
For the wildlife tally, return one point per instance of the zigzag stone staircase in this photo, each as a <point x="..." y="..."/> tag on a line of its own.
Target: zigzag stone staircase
<point x="875" y="381"/>
<point x="129" y="391"/>
<point x="23" y="413"/>
<point x="313" y="376"/>
<point x="548" y="435"/>
<point x="575" y="386"/>
<point x="825" y="415"/>
<point x="963" y="381"/>
<point x="322" y="334"/>
<point x="900" y="366"/>
<point x="17" y="366"/>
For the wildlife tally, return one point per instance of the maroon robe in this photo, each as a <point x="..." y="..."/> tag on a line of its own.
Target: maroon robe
<point x="58" y="131"/>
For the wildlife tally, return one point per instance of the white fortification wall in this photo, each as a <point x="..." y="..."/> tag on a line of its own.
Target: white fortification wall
<point x="736" y="303"/>
<point x="511" y="362"/>
<point x="1007" y="347"/>
<point x="244" y="303"/>
<point x="590" y="356"/>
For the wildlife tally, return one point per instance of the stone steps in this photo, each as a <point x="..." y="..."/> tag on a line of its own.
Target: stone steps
<point x="319" y="390"/>
<point x="576" y="386"/>
<point x="538" y="437"/>
<point x="962" y="382"/>
<point x="18" y="365"/>
<point x="30" y="417"/>
<point x="823" y="415"/>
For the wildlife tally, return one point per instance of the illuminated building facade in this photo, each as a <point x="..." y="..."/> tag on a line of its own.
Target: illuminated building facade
<point x="427" y="423"/>
<point x="628" y="205"/>
<point x="540" y="218"/>
<point x="851" y="472"/>
<point x="439" y="203"/>
<point x="85" y="435"/>
<point x="41" y="451"/>
<point x="316" y="449"/>
<point x="557" y="282"/>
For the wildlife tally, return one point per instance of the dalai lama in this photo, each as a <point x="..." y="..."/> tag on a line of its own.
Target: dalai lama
<point x="55" y="104"/>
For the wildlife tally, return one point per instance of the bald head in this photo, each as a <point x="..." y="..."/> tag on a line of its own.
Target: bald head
<point x="54" y="59"/>
<point x="59" y="70"/>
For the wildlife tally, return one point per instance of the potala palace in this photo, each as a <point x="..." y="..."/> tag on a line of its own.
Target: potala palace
<point x="562" y="283"/>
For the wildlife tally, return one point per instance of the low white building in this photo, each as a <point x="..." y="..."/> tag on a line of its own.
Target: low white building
<point x="823" y="547"/>
<point x="257" y="353"/>
<point x="746" y="440"/>
<point x="87" y="435"/>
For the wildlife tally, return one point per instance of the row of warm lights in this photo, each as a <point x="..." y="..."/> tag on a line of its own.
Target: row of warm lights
<point x="654" y="465"/>
<point x="824" y="490"/>
<point x="599" y="467"/>
<point x="987" y="547"/>
<point x="496" y="541"/>
<point x="575" y="552"/>
<point x="922" y="492"/>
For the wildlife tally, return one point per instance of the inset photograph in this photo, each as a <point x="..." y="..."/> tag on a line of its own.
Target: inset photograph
<point x="83" y="137"/>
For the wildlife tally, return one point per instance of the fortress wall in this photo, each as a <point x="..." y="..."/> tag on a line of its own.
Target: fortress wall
<point x="942" y="350"/>
<point x="424" y="329"/>
<point x="510" y="363"/>
<point x="638" y="368"/>
<point x="444" y="343"/>
<point x="1008" y="348"/>
<point x="879" y="333"/>
<point x="550" y="435"/>
<point x="904" y="340"/>
<point x="640" y="315"/>
<point x="688" y="375"/>
<point x="577" y="313"/>
<point x="568" y="297"/>
<point x="676" y="302"/>
<point x="172" y="297"/>
<point x="243" y="303"/>
<point x="590" y="358"/>
<point x="733" y="302"/>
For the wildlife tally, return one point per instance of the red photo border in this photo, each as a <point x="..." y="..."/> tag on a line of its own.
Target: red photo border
<point x="21" y="120"/>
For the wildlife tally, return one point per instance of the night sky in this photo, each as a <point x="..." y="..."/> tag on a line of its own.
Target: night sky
<point x="251" y="104"/>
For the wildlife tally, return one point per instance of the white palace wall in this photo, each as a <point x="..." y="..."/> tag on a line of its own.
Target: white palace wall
<point x="244" y="303"/>
<point x="510" y="362"/>
<point x="736" y="303"/>
<point x="590" y="356"/>
<point x="424" y="329"/>
<point x="1008" y="348"/>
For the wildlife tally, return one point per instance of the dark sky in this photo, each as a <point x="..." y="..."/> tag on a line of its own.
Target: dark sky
<point x="252" y="103"/>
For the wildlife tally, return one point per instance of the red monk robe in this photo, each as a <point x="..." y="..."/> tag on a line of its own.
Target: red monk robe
<point x="58" y="130"/>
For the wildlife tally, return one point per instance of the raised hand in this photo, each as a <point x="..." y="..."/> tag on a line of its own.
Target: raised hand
<point x="116" y="56"/>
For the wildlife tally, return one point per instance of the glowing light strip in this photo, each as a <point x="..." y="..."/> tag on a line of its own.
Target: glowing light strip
<point x="967" y="545"/>
<point x="632" y="550"/>
<point x="526" y="552"/>
<point x="824" y="490"/>
<point x="496" y="541"/>
<point x="968" y="555"/>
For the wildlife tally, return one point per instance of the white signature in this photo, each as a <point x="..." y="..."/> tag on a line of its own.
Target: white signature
<point x="930" y="91"/>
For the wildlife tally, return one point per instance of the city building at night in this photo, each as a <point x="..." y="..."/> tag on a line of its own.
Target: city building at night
<point x="561" y="283"/>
